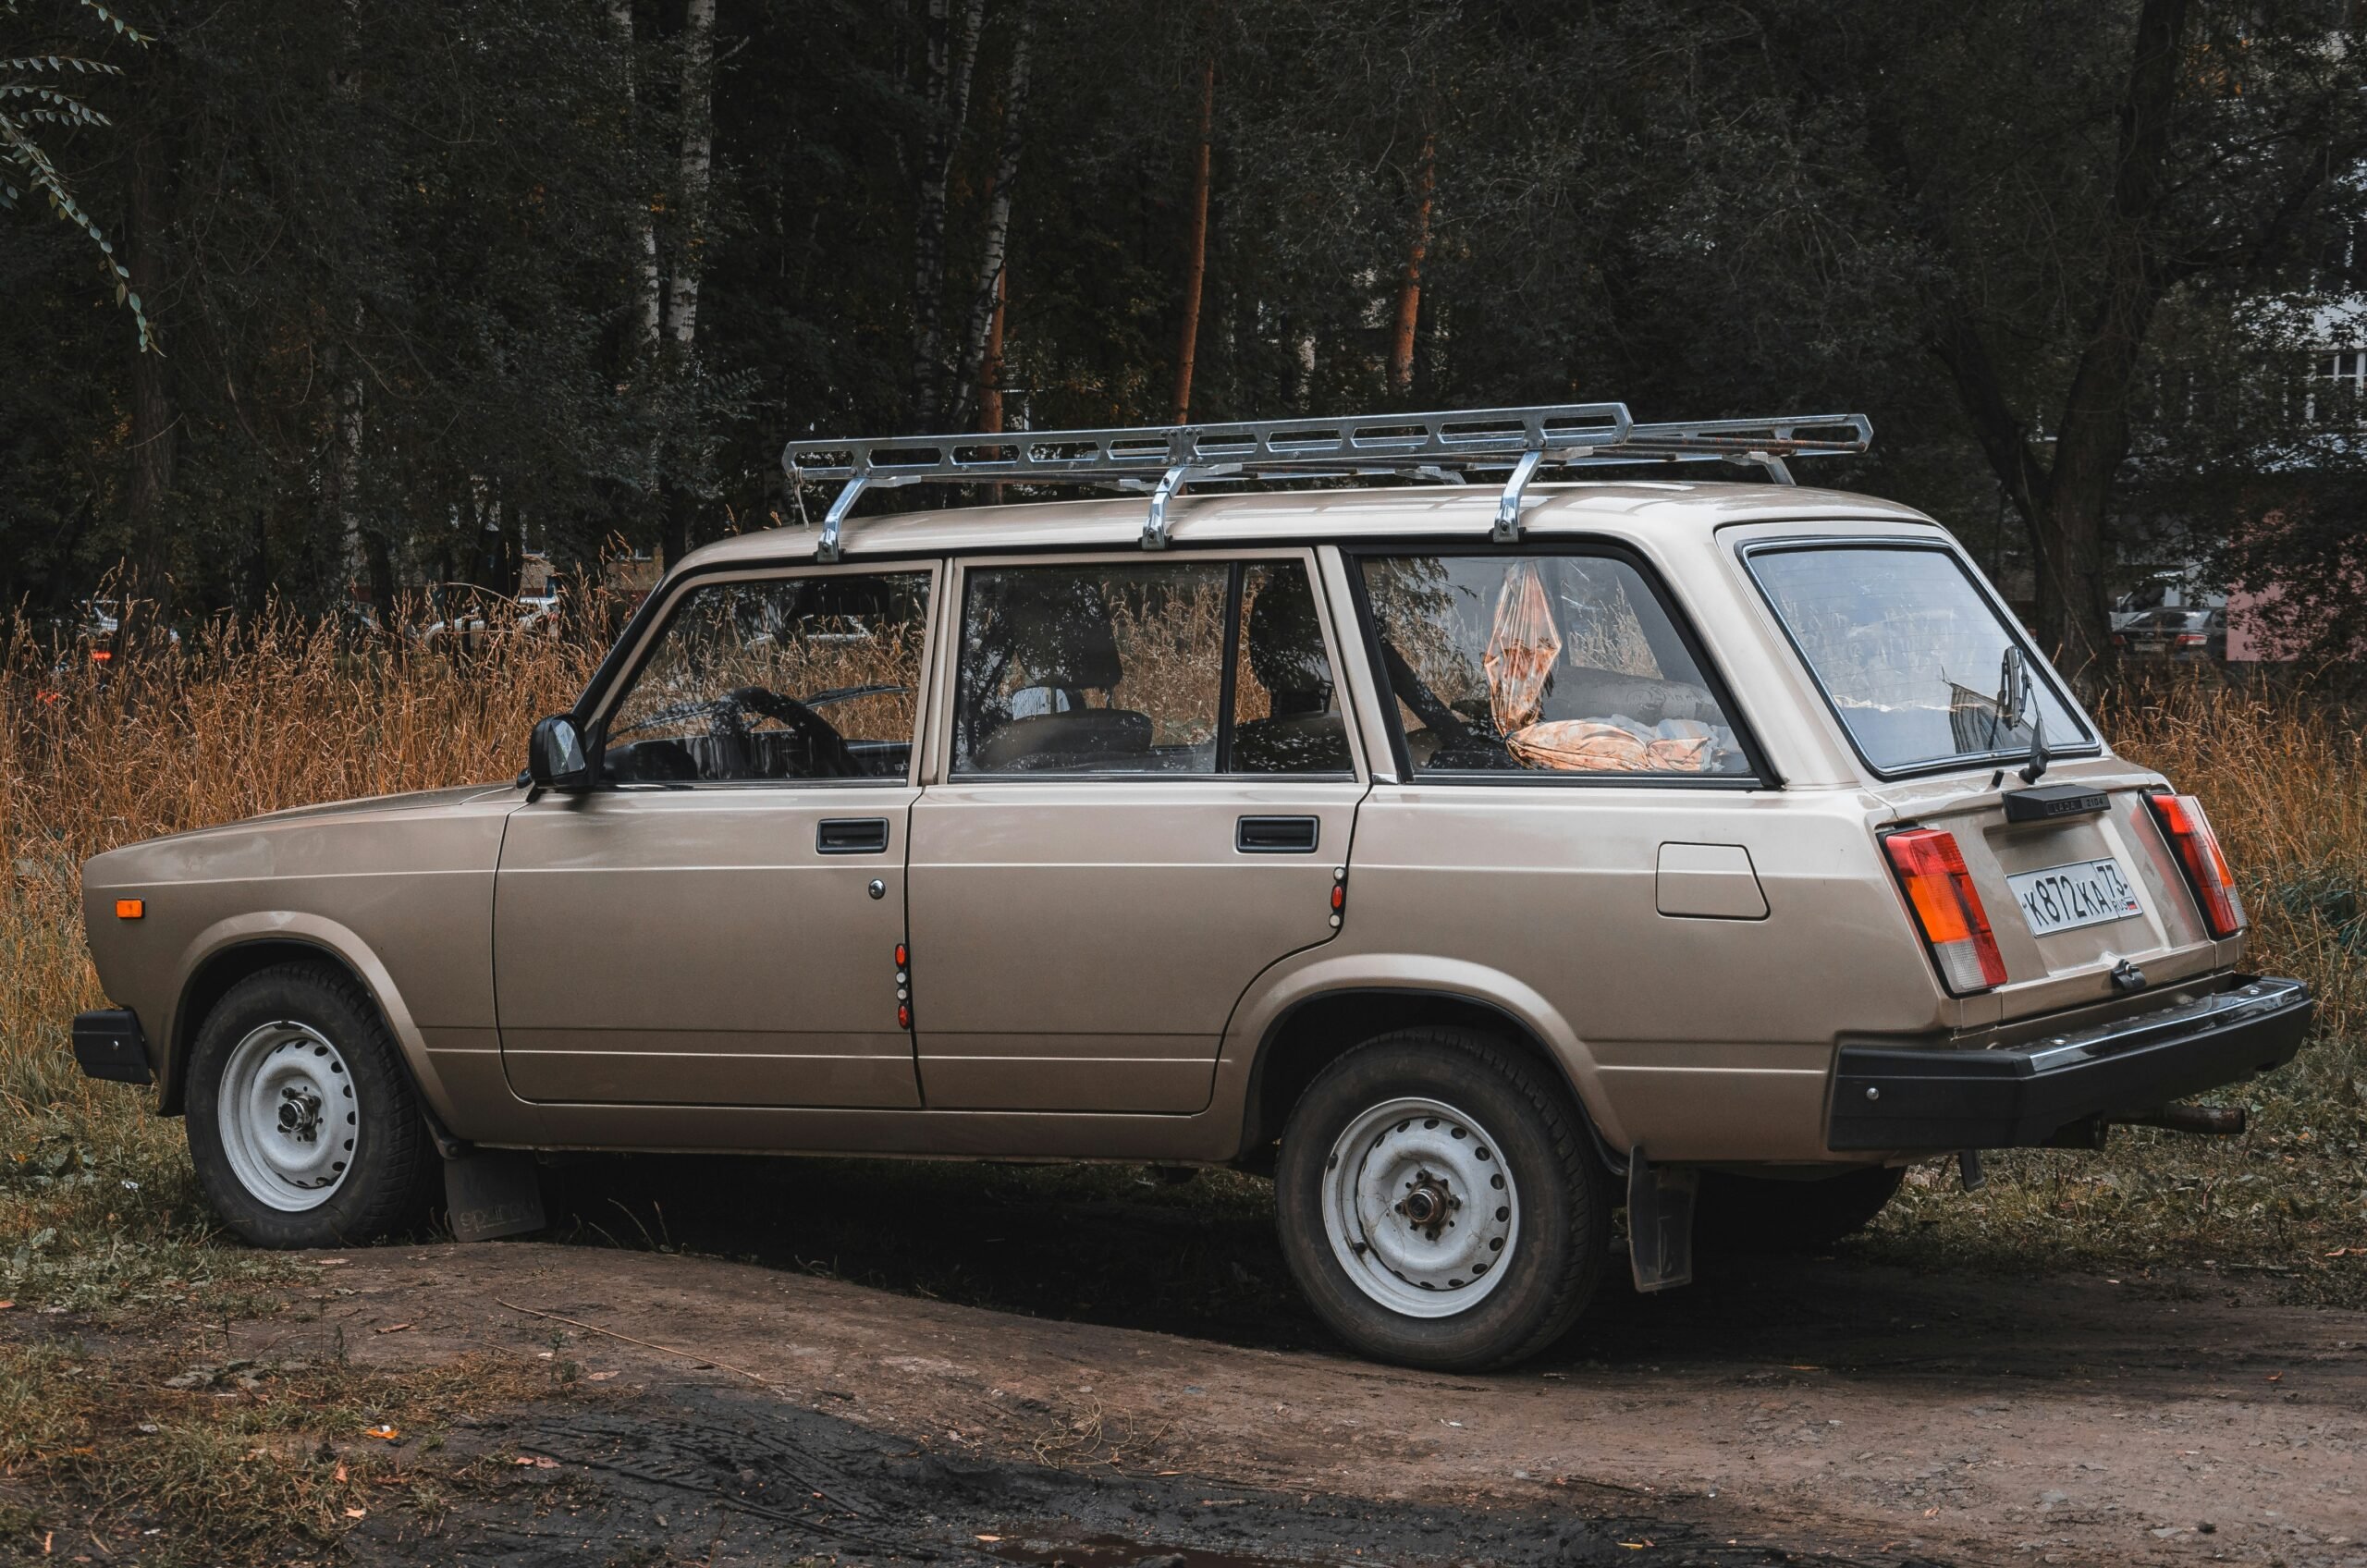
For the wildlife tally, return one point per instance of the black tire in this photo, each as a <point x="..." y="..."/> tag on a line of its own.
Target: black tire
<point x="1556" y="1256"/>
<point x="1765" y="1216"/>
<point x="385" y="1183"/>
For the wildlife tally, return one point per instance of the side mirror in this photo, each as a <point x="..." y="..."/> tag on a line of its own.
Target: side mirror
<point x="555" y="756"/>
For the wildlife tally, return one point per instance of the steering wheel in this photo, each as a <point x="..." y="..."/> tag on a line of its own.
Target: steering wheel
<point x="832" y="758"/>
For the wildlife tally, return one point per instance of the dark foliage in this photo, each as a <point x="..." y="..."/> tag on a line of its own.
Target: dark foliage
<point x="418" y="272"/>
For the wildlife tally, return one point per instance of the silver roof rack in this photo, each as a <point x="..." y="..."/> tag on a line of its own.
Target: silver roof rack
<point x="1442" y="448"/>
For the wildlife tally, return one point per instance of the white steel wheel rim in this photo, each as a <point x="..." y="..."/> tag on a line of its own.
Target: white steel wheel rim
<point x="1419" y="1209"/>
<point x="289" y="1115"/>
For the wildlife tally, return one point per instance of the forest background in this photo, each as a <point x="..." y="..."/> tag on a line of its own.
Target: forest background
<point x="328" y="304"/>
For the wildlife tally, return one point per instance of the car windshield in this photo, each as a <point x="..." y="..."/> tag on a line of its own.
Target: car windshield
<point x="1911" y="652"/>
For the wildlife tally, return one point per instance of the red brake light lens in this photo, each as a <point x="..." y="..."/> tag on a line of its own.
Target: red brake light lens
<point x="1947" y="907"/>
<point x="2188" y="833"/>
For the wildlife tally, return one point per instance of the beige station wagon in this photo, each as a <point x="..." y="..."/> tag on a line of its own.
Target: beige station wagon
<point x="1473" y="857"/>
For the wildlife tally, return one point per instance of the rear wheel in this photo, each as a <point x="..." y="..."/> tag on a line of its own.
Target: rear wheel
<point x="1769" y="1215"/>
<point x="1438" y="1202"/>
<point x="303" y="1122"/>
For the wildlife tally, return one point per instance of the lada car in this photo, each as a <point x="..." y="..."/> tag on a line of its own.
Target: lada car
<point x="1476" y="857"/>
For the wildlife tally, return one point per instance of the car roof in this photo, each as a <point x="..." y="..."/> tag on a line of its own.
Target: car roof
<point x="1651" y="511"/>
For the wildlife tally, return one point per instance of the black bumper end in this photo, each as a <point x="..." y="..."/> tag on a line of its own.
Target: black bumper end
<point x="109" y="1044"/>
<point x="1892" y="1097"/>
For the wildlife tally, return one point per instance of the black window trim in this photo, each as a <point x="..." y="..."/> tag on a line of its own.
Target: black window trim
<point x="1229" y="556"/>
<point x="655" y="616"/>
<point x="2093" y="744"/>
<point x="1762" y="775"/>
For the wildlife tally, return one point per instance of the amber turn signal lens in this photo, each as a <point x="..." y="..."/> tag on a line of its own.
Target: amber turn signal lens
<point x="130" y="909"/>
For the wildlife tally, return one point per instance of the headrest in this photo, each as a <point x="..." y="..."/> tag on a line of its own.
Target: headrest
<point x="1054" y="624"/>
<point x="1286" y="642"/>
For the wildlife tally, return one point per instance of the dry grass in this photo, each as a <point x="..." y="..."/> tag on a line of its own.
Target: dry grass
<point x="171" y="1453"/>
<point x="239" y="718"/>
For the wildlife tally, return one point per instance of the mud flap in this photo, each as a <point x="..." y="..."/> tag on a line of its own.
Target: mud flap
<point x="1659" y="1222"/>
<point x="491" y="1192"/>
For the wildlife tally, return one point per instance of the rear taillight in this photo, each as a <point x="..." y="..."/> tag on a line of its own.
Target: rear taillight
<point x="2190" y="838"/>
<point x="1947" y="906"/>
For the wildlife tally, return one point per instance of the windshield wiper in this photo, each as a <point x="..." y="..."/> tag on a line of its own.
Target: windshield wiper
<point x="2017" y="704"/>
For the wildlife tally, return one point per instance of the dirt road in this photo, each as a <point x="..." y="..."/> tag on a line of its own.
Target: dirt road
<point x="1803" y="1408"/>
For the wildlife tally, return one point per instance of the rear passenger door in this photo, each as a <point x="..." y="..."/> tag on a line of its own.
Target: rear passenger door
<point x="1147" y="794"/>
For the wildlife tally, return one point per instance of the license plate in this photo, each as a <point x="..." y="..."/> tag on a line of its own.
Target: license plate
<point x="2064" y="898"/>
<point x="2150" y="647"/>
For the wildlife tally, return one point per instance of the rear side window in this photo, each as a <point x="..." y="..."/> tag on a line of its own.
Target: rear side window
<point x="1542" y="665"/>
<point x="1145" y="667"/>
<point x="1910" y="652"/>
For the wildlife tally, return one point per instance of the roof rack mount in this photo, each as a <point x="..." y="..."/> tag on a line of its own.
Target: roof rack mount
<point x="1442" y="448"/>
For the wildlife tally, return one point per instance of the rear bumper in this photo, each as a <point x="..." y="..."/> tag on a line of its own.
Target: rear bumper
<point x="1893" y="1098"/>
<point x="110" y="1044"/>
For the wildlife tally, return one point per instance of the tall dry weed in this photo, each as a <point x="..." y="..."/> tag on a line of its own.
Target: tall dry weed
<point x="2283" y="773"/>
<point x="241" y="717"/>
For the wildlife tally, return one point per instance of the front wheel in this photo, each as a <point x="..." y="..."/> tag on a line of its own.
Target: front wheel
<point x="1438" y="1202"/>
<point x="303" y="1124"/>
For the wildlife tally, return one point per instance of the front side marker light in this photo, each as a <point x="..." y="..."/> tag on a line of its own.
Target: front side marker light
<point x="1947" y="907"/>
<point x="130" y="909"/>
<point x="2190" y="838"/>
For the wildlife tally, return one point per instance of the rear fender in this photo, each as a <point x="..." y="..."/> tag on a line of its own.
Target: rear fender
<point x="1263" y="1014"/>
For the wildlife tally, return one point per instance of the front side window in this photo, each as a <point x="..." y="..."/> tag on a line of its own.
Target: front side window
<point x="1542" y="665"/>
<point x="1910" y="652"/>
<point x="803" y="678"/>
<point x="1123" y="667"/>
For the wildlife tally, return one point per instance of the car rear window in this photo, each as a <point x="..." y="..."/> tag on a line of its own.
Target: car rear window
<point x="1542" y="665"/>
<point x="1910" y="651"/>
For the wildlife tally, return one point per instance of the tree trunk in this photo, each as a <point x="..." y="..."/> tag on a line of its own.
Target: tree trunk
<point x="1195" y="248"/>
<point x="693" y="178"/>
<point x="641" y="217"/>
<point x="949" y="61"/>
<point x="156" y="405"/>
<point x="2093" y="440"/>
<point x="1006" y="177"/>
<point x="1409" y="292"/>
<point x="990" y="367"/>
<point x="990" y="374"/>
<point x="342" y="476"/>
<point x="2064" y="505"/>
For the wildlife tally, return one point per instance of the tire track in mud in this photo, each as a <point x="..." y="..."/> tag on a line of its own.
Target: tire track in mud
<point x="718" y="1475"/>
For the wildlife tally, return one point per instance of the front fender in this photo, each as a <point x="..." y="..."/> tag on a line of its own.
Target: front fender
<point x="224" y="938"/>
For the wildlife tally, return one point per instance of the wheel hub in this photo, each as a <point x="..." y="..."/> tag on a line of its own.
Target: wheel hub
<point x="289" y="1115"/>
<point x="1419" y="1209"/>
<point x="299" y="1114"/>
<point x="1427" y="1204"/>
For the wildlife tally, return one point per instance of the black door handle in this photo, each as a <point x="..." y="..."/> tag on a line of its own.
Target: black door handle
<point x="1276" y="835"/>
<point x="850" y="836"/>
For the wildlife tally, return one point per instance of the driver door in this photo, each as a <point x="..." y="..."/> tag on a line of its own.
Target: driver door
<point x="717" y="922"/>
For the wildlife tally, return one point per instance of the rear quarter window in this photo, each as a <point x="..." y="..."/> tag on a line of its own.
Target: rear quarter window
<point x="1542" y="665"/>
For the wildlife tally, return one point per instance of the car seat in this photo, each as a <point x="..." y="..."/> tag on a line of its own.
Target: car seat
<point x="1303" y="733"/>
<point x="1053" y="628"/>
